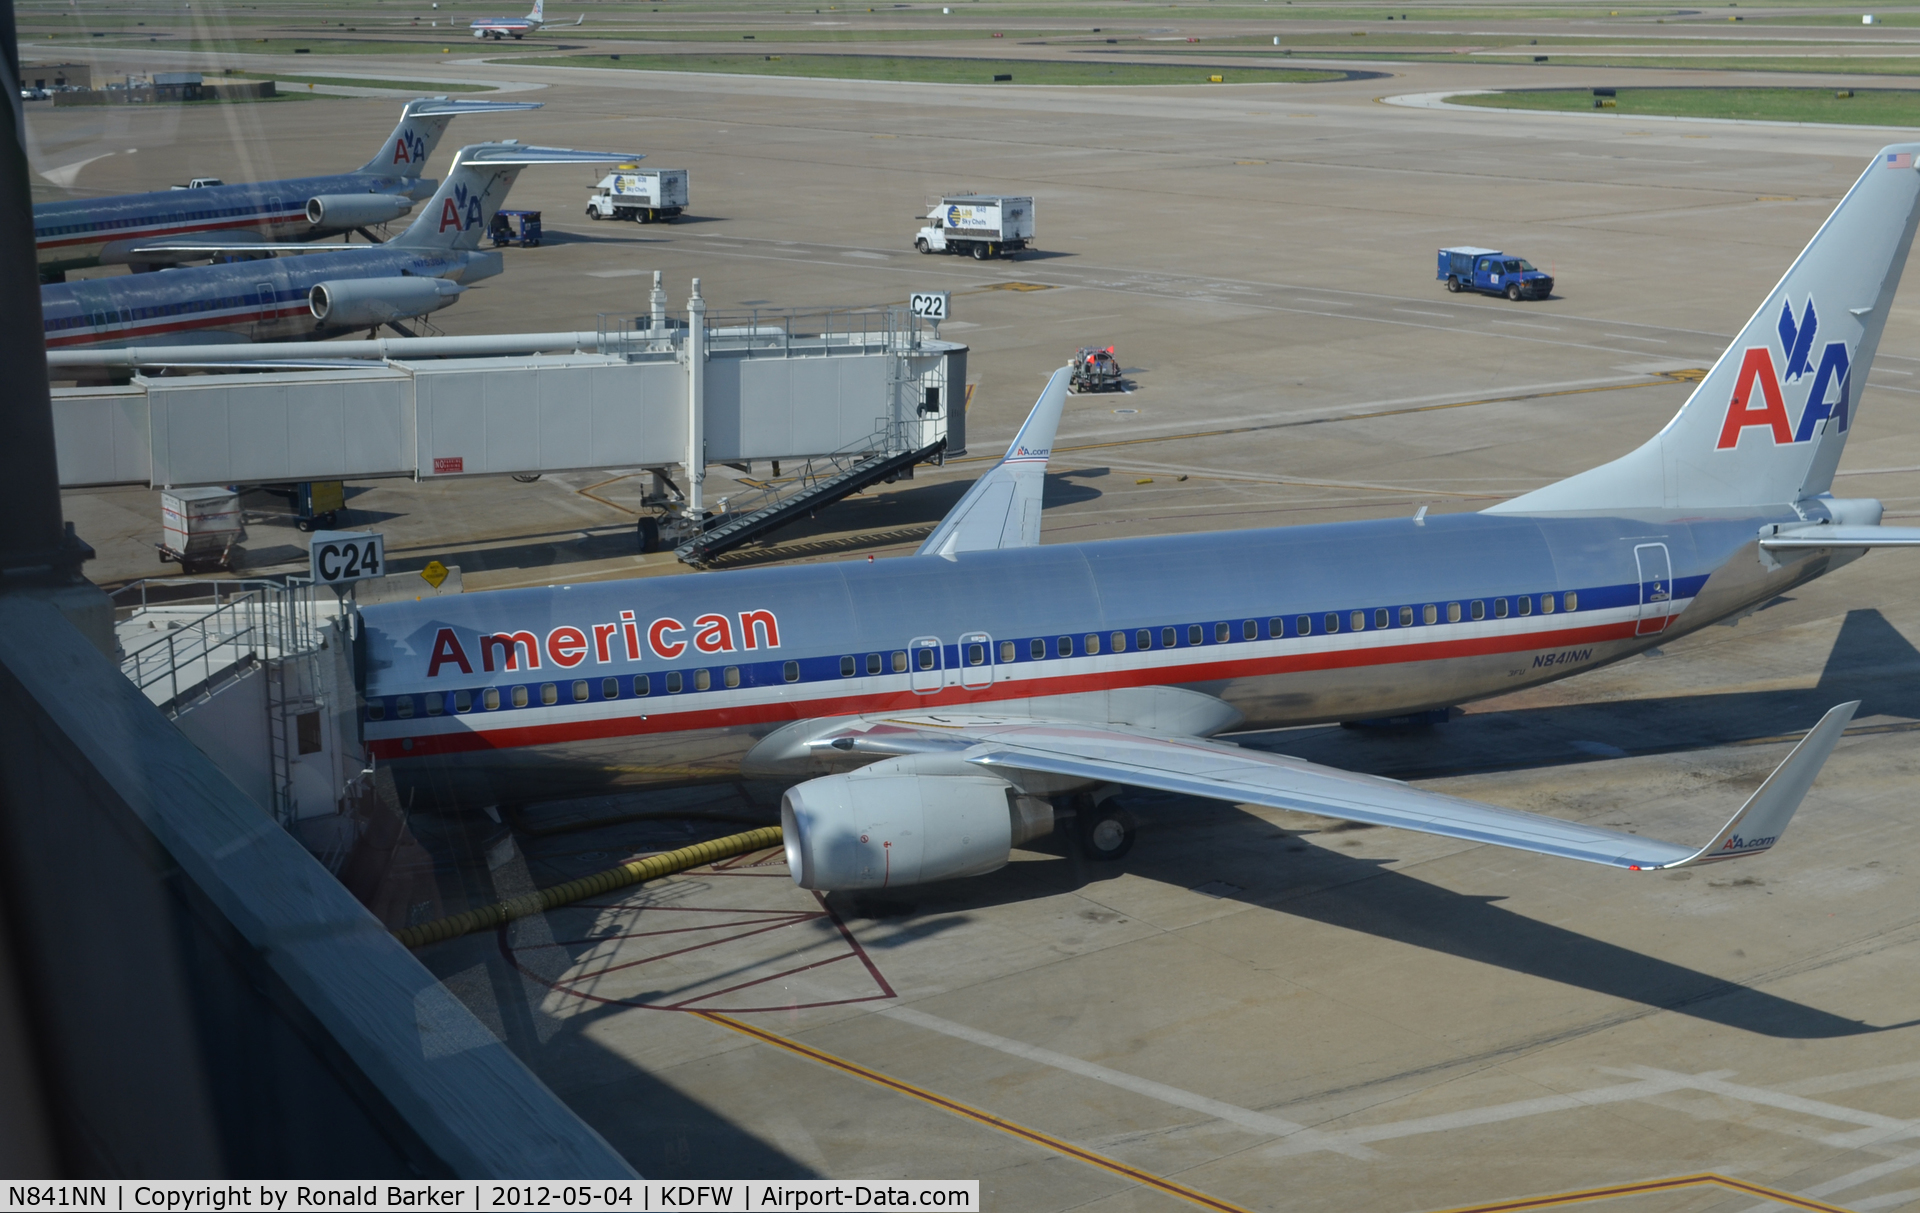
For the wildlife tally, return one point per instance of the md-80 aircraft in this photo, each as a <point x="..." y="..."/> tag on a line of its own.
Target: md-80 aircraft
<point x="516" y="27"/>
<point x="929" y="709"/>
<point x="327" y="289"/>
<point x="199" y="223"/>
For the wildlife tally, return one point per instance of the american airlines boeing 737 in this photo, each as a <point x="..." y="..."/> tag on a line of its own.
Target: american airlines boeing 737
<point x="933" y="711"/>
<point x="198" y="223"/>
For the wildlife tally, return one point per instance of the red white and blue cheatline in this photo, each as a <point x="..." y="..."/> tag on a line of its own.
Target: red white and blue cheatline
<point x="1899" y="160"/>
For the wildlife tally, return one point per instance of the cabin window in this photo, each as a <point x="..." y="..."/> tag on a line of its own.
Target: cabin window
<point x="791" y="671"/>
<point x="1037" y="647"/>
<point x="1168" y="638"/>
<point x="1380" y="618"/>
<point x="1526" y="605"/>
<point x="925" y="658"/>
<point x="1573" y="601"/>
<point x="1222" y="632"/>
<point x="702" y="680"/>
<point x="976" y="654"/>
<point x="674" y="682"/>
<point x="1143" y="639"/>
<point x="1092" y="644"/>
<point x="433" y="703"/>
<point x="1499" y="608"/>
<point x="731" y="676"/>
<point x="549" y="694"/>
<point x="1332" y="622"/>
<point x="490" y="699"/>
<point x="1453" y="612"/>
<point x="846" y="667"/>
<point x="1063" y="646"/>
<point x="1196" y="634"/>
<point x="580" y="691"/>
<point x="1479" y="609"/>
<point x="1008" y="652"/>
<point x="642" y="685"/>
<point x="1249" y="630"/>
<point x="376" y="710"/>
<point x="463" y="701"/>
<point x="1358" y="621"/>
<point x="1276" y="628"/>
<point x="1430" y="613"/>
<point x="519" y="697"/>
<point x="899" y="661"/>
<point x="1546" y="604"/>
<point x="1303" y="625"/>
<point x="1119" y="640"/>
<point x="609" y="688"/>
<point x="873" y="663"/>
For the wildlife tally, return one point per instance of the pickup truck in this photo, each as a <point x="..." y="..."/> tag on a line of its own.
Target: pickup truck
<point x="1492" y="272"/>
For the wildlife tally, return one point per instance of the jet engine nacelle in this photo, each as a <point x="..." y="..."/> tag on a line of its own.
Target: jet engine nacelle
<point x="887" y="825"/>
<point x="355" y="210"/>
<point x="358" y="302"/>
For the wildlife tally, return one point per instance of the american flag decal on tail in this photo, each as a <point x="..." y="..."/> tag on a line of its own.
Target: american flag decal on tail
<point x="1899" y="160"/>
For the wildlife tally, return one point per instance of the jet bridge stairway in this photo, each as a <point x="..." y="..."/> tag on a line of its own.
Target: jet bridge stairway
<point x="825" y="481"/>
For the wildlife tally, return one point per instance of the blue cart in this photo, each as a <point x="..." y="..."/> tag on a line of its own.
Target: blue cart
<point x="516" y="227"/>
<point x="1492" y="272"/>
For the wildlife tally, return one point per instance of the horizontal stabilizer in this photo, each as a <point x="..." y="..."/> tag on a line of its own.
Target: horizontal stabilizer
<point x="442" y="107"/>
<point x="1002" y="509"/>
<point x="523" y="155"/>
<point x="1843" y="537"/>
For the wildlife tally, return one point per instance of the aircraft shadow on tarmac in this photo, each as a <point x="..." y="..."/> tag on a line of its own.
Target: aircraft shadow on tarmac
<point x="1187" y="842"/>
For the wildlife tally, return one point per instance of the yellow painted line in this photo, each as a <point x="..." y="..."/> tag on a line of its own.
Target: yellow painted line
<point x="1676" y="1183"/>
<point x="967" y="1112"/>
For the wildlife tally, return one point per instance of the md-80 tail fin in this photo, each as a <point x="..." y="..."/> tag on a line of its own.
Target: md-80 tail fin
<point x="1768" y="423"/>
<point x="462" y="209"/>
<point x="422" y="122"/>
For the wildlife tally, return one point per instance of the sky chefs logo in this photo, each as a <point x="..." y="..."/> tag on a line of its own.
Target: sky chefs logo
<point x="566" y="647"/>
<point x="1759" y="400"/>
<point x="460" y="210"/>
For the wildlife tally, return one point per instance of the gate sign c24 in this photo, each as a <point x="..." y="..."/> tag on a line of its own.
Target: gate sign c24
<point x="928" y="305"/>
<point x="343" y="556"/>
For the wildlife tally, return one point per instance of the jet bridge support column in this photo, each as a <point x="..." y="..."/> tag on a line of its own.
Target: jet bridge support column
<point x="696" y="355"/>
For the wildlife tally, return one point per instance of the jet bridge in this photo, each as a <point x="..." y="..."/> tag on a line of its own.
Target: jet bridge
<point x="870" y="389"/>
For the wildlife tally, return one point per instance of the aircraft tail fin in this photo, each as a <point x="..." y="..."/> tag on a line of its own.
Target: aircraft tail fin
<point x="422" y="121"/>
<point x="1002" y="509"/>
<point x="1767" y="424"/>
<point x="462" y="209"/>
<point x="539" y="13"/>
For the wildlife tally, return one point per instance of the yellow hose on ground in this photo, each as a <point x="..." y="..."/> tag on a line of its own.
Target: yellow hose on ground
<point x="639" y="871"/>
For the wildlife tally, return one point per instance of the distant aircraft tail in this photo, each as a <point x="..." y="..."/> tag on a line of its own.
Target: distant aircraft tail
<point x="539" y="13"/>
<point x="462" y="209"/>
<point x="422" y="122"/>
<point x="1768" y="423"/>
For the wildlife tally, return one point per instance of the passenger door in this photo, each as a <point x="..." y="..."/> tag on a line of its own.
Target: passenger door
<point x="1656" y="587"/>
<point x="924" y="674"/>
<point x="976" y="660"/>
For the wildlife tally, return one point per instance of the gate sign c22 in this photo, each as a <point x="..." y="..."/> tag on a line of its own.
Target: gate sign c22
<point x="928" y="305"/>
<point x="343" y="556"/>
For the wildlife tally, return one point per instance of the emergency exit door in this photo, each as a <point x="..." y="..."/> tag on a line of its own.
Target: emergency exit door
<point x="1656" y="587"/>
<point x="924" y="672"/>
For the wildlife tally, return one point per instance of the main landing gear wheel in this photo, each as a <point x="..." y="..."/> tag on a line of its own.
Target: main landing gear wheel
<point x="1513" y="291"/>
<point x="1105" y="833"/>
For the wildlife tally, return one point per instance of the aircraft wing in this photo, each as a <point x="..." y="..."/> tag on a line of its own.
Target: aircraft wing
<point x="1220" y="771"/>
<point x="1002" y="509"/>
<point x="1830" y="536"/>
<point x="213" y="248"/>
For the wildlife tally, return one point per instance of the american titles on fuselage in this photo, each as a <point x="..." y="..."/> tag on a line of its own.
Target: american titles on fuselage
<point x="566" y="646"/>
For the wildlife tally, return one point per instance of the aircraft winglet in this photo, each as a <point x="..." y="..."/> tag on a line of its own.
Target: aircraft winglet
<point x="1002" y="509"/>
<point x="1761" y="821"/>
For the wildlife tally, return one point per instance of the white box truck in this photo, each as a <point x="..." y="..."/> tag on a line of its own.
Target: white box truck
<point x="979" y="225"/>
<point x="644" y="195"/>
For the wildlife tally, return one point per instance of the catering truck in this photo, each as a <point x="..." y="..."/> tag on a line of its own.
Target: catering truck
<point x="644" y="195"/>
<point x="1493" y="273"/>
<point x="980" y="225"/>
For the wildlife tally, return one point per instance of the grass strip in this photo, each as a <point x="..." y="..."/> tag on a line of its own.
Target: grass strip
<point x="1866" y="107"/>
<point x="930" y="70"/>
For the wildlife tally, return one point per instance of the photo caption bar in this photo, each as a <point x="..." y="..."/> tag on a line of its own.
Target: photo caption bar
<point x="633" y="1196"/>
